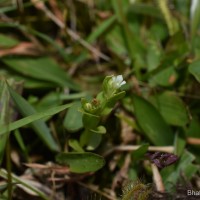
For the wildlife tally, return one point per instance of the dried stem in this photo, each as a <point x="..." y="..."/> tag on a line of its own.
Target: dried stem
<point x="194" y="141"/>
<point x="157" y="178"/>
<point x="168" y="149"/>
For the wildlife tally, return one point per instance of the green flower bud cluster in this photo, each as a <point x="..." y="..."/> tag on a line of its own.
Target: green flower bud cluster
<point x="107" y="98"/>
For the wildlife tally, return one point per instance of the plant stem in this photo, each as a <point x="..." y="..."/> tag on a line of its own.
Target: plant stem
<point x="168" y="149"/>
<point x="8" y="165"/>
<point x="157" y="178"/>
<point x="193" y="141"/>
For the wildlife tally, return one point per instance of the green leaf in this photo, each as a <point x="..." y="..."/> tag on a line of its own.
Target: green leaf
<point x="73" y="119"/>
<point x="4" y="116"/>
<point x="112" y="101"/>
<point x="81" y="162"/>
<point x="194" y="69"/>
<point x="39" y="126"/>
<point x="90" y="121"/>
<point x="171" y="108"/>
<point x="166" y="77"/>
<point x="7" y="42"/>
<point x="31" y="118"/>
<point x="184" y="166"/>
<point x="99" y="130"/>
<point x="90" y="139"/>
<point x="75" y="145"/>
<point x="44" y="68"/>
<point x="151" y="122"/>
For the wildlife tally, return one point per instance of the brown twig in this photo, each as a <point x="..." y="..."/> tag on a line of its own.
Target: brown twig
<point x="168" y="149"/>
<point x="157" y="178"/>
<point x="194" y="141"/>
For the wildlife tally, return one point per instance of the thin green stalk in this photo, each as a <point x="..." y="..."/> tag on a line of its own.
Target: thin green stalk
<point x="9" y="170"/>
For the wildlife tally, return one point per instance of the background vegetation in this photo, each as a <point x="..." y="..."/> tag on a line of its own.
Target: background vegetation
<point x="53" y="53"/>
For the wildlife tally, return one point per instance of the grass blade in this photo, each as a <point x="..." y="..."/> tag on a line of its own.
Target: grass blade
<point x="31" y="116"/>
<point x="44" y="68"/>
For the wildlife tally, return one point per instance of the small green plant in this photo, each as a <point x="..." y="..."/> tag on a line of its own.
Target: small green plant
<point x="81" y="161"/>
<point x="98" y="107"/>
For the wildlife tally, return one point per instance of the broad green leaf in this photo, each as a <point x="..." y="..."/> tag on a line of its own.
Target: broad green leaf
<point x="151" y="122"/>
<point x="171" y="108"/>
<point x="90" y="121"/>
<point x="44" y="68"/>
<point x="90" y="139"/>
<point x="194" y="69"/>
<point x="81" y="162"/>
<point x="7" y="42"/>
<point x="73" y="119"/>
<point x="166" y="77"/>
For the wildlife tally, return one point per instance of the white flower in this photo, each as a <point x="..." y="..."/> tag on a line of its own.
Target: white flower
<point x="117" y="81"/>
